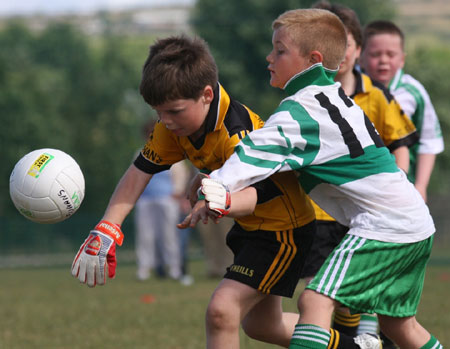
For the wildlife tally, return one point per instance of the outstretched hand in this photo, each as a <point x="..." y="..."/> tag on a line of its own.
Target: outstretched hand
<point x="199" y="212"/>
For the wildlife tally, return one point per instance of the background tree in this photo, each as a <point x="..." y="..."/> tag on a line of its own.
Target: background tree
<point x="61" y="89"/>
<point x="239" y="34"/>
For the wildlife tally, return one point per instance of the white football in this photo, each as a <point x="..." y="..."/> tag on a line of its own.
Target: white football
<point x="47" y="186"/>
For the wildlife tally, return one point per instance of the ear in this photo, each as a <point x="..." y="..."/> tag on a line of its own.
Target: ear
<point x="208" y="94"/>
<point x="315" y="57"/>
<point x="358" y="52"/>
<point x="403" y="60"/>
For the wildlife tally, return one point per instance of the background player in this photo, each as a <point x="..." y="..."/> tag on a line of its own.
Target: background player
<point x="383" y="59"/>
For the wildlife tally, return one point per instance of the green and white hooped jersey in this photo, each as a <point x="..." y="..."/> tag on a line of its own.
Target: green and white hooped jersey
<point x="416" y="103"/>
<point x="340" y="158"/>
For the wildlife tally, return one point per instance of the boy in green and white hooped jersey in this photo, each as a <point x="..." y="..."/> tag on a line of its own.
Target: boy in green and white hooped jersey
<point x="383" y="58"/>
<point x="318" y="131"/>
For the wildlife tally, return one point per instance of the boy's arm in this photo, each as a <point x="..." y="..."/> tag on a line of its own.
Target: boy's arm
<point x="402" y="158"/>
<point x="279" y="146"/>
<point x="424" y="168"/>
<point x="242" y="203"/>
<point x="126" y="194"/>
<point x="96" y="257"/>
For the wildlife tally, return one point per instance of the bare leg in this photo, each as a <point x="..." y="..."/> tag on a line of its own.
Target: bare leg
<point x="229" y="304"/>
<point x="315" y="309"/>
<point x="405" y="332"/>
<point x="266" y="322"/>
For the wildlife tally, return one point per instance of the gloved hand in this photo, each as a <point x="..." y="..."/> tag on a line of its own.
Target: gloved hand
<point x="97" y="255"/>
<point x="217" y="196"/>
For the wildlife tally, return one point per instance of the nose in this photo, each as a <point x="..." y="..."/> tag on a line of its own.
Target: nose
<point x="384" y="58"/>
<point x="269" y="57"/>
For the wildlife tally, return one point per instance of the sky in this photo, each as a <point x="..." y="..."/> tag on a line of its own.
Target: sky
<point x="49" y="7"/>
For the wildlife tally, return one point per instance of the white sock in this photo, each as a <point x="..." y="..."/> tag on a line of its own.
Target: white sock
<point x="368" y="324"/>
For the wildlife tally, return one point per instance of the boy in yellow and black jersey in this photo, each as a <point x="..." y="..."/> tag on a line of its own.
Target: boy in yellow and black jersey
<point x="269" y="244"/>
<point x="281" y="201"/>
<point x="199" y="121"/>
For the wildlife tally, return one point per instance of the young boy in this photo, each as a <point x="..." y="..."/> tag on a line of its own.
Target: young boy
<point x="398" y="134"/>
<point x="317" y="130"/>
<point x="199" y="121"/>
<point x="383" y="58"/>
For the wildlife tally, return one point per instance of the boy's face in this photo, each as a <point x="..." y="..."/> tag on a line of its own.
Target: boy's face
<point x="351" y="55"/>
<point x="284" y="60"/>
<point x="185" y="117"/>
<point x="382" y="57"/>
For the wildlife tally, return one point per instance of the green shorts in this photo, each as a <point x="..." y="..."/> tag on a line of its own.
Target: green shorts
<point x="371" y="276"/>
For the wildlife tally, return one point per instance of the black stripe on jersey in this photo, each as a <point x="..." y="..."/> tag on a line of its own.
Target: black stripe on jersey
<point x="359" y="88"/>
<point x="373" y="132"/>
<point x="348" y="102"/>
<point x="409" y="141"/>
<point x="147" y="166"/>
<point x="354" y="146"/>
<point x="237" y="119"/>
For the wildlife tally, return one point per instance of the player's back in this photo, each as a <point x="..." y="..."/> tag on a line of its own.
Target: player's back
<point x="352" y="175"/>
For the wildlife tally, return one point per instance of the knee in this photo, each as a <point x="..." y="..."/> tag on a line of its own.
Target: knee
<point x="220" y="316"/>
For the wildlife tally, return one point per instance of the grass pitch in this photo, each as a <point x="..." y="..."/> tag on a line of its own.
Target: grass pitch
<point x="48" y="308"/>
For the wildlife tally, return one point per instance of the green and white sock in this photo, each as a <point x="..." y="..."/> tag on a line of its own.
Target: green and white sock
<point x="309" y="336"/>
<point x="433" y="343"/>
<point x="368" y="324"/>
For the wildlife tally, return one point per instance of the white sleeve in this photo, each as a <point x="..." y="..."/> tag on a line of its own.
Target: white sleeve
<point x="415" y="99"/>
<point x="263" y="152"/>
<point x="431" y="141"/>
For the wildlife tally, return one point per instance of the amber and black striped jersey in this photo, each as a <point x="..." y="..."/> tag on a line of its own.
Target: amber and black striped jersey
<point x="282" y="203"/>
<point x="392" y="124"/>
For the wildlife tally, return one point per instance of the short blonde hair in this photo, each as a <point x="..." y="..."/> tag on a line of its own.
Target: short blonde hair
<point x="316" y="30"/>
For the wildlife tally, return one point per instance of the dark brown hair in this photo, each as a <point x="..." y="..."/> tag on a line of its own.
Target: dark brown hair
<point x="382" y="27"/>
<point x="346" y="15"/>
<point x="177" y="67"/>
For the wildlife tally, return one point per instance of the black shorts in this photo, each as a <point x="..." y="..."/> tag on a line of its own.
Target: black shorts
<point x="269" y="261"/>
<point x="328" y="235"/>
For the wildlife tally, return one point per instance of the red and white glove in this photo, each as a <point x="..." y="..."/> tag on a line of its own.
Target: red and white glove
<point x="97" y="255"/>
<point x="217" y="196"/>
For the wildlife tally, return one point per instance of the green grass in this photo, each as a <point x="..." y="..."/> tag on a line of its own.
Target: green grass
<point x="48" y="308"/>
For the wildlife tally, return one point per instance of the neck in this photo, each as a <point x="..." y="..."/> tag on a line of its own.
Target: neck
<point x="348" y="82"/>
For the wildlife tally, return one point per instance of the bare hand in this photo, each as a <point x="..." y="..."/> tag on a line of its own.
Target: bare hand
<point x="198" y="213"/>
<point x="196" y="182"/>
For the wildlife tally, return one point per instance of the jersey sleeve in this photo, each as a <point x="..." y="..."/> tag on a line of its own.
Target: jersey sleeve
<point x="160" y="152"/>
<point x="277" y="147"/>
<point x="431" y="140"/>
<point x="416" y="103"/>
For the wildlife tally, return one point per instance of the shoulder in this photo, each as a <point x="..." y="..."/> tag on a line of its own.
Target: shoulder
<point x="413" y="86"/>
<point x="234" y="116"/>
<point x="376" y="89"/>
